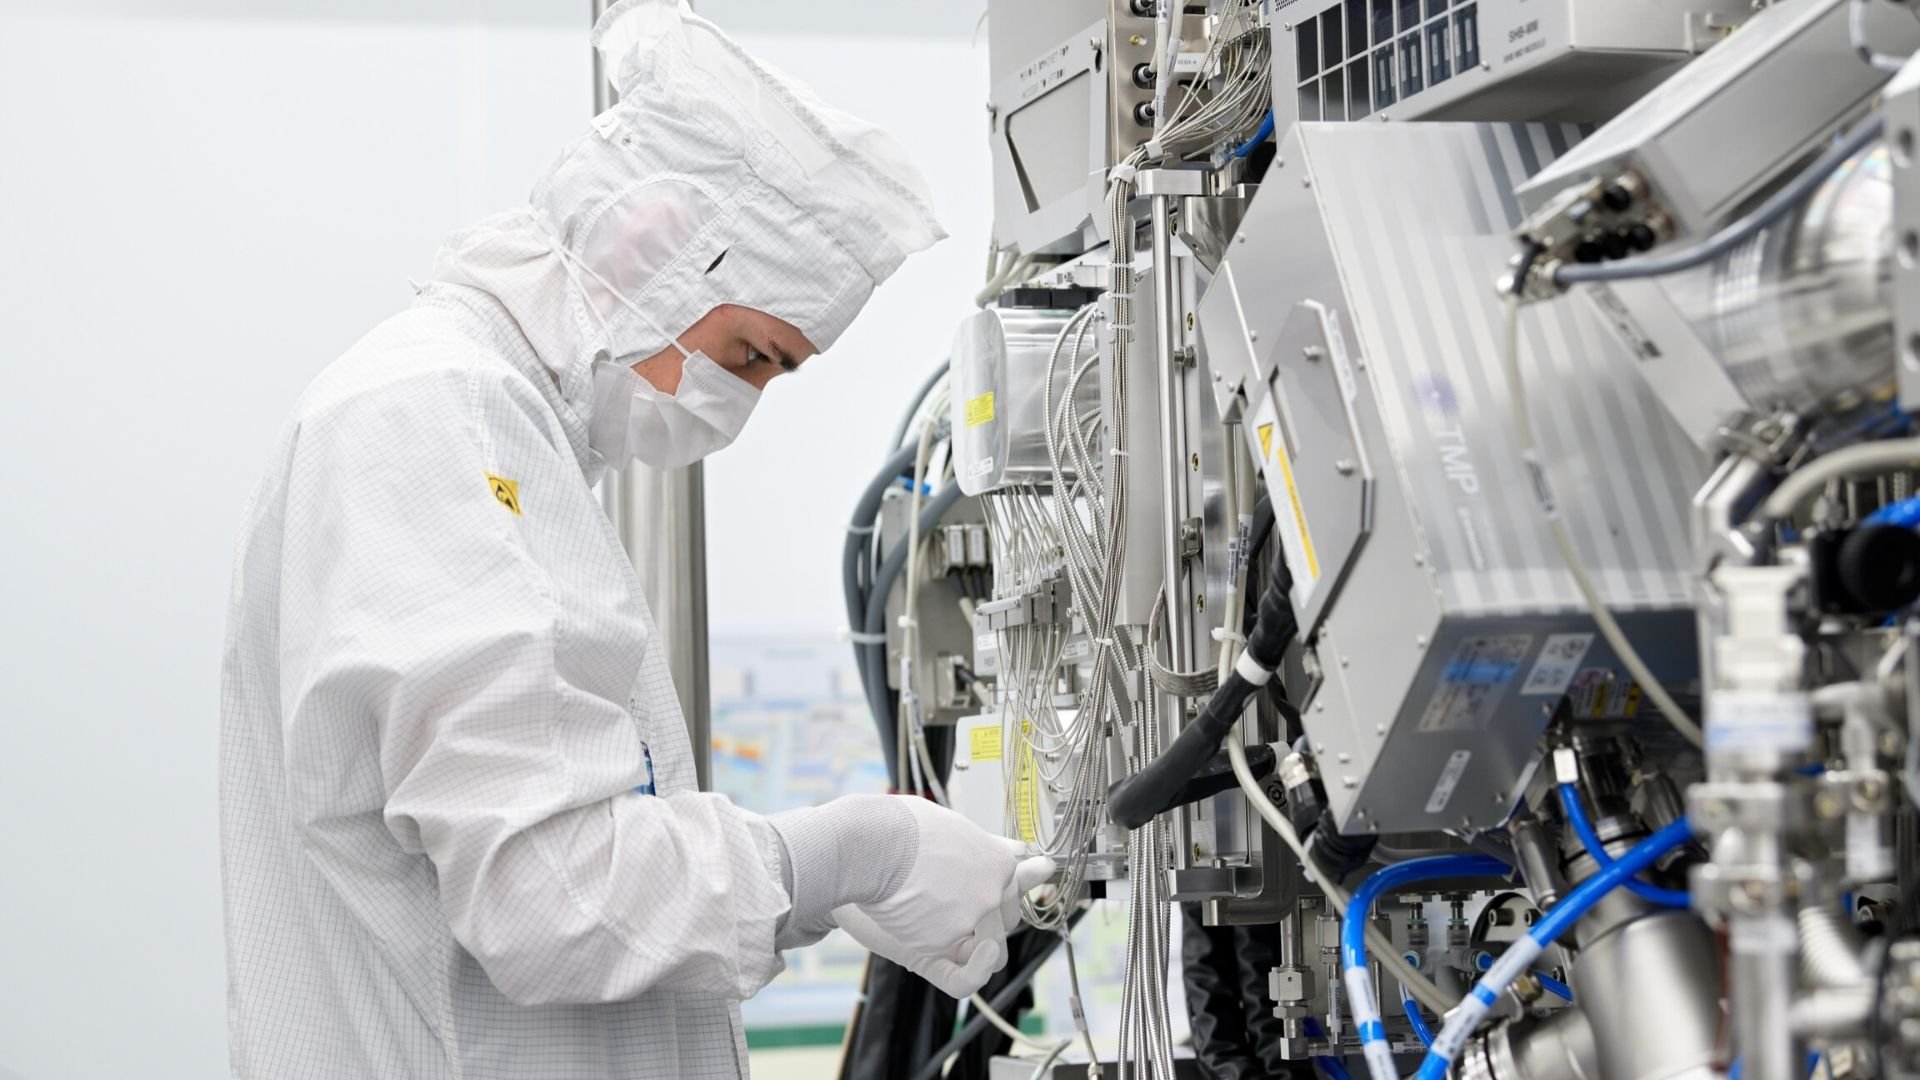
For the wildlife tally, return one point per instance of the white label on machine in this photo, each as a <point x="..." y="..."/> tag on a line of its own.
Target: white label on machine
<point x="1474" y="682"/>
<point x="1558" y="662"/>
<point x="1289" y="516"/>
<point x="1759" y="720"/>
<point x="1077" y="649"/>
<point x="1450" y="775"/>
<point x="986" y="655"/>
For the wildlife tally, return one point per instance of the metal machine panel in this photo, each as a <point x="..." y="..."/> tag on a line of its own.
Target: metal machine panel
<point x="1456" y="607"/>
<point x="1725" y="127"/>
<point x="1903" y="121"/>
<point x="1482" y="59"/>
<point x="1062" y="111"/>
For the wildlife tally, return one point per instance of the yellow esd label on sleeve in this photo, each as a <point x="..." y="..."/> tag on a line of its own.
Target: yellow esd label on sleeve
<point x="506" y="491"/>
<point x="984" y="743"/>
<point x="980" y="409"/>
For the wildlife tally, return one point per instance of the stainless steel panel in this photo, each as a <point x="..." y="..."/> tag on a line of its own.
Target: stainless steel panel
<point x="1456" y="626"/>
<point x="1061" y="112"/>
<point x="1729" y="124"/>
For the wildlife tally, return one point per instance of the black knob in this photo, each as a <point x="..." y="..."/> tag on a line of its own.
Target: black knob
<point x="1588" y="252"/>
<point x="1616" y="198"/>
<point x="1642" y="237"/>
<point x="1141" y="8"/>
<point x="1615" y="246"/>
<point x="1143" y="114"/>
<point x="1879" y="567"/>
<point x="1143" y="76"/>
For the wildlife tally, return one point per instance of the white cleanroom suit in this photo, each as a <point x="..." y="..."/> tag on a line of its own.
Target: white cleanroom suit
<point x="460" y="832"/>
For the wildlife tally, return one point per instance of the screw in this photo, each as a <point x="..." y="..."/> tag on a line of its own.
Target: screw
<point x="1346" y="661"/>
<point x="1349" y="782"/>
<point x="1196" y="463"/>
<point x="1419" y="641"/>
<point x="1344" y="467"/>
<point x="1825" y="805"/>
<point x="1253" y="335"/>
<point x="1344" y="757"/>
<point x="1313" y="353"/>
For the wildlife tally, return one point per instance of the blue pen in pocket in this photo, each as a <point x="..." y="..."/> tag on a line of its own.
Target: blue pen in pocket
<point x="646" y="788"/>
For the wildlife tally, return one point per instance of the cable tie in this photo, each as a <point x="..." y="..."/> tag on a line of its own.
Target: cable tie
<point x="1122" y="173"/>
<point x="1249" y="669"/>
<point x="860" y="638"/>
<point x="861" y="530"/>
<point x="906" y="623"/>
<point x="1221" y="633"/>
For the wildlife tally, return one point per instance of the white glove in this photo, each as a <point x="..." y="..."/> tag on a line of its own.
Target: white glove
<point x="948" y="921"/>
<point x="912" y="881"/>
<point x="959" y="980"/>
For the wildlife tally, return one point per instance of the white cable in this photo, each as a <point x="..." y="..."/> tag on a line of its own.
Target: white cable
<point x="1802" y="485"/>
<point x="1857" y="37"/>
<point x="1006" y="1026"/>
<point x="1563" y="539"/>
<point x="1383" y="950"/>
<point x="1046" y="1063"/>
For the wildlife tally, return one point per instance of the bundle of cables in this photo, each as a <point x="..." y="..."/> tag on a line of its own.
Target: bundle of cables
<point x="1135" y="800"/>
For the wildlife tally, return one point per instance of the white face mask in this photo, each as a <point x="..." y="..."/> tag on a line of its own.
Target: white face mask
<point x="633" y="421"/>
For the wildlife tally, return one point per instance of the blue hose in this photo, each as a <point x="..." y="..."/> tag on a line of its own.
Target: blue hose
<point x="1420" y="1028"/>
<point x="1259" y="136"/>
<point x="1554" y="986"/>
<point x="1332" y="1066"/>
<point x="1353" y="929"/>
<point x="1583" y="828"/>
<point x="1558" y="921"/>
<point x="1905" y="513"/>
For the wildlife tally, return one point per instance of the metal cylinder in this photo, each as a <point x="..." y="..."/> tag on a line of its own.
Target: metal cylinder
<point x="1559" y="1046"/>
<point x="1536" y="854"/>
<point x="1650" y="989"/>
<point x="1801" y="316"/>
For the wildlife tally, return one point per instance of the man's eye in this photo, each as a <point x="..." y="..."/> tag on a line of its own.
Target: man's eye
<point x="754" y="356"/>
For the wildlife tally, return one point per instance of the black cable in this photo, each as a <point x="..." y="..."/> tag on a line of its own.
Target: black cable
<point x="1134" y="800"/>
<point x="999" y="1002"/>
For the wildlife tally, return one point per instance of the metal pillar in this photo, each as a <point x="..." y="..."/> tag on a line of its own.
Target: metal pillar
<point x="661" y="517"/>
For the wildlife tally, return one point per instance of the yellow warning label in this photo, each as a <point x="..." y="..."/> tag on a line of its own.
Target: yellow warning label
<point x="1026" y="799"/>
<point x="984" y="742"/>
<point x="980" y="409"/>
<point x="1279" y="454"/>
<point x="1266" y="440"/>
<point x="507" y="491"/>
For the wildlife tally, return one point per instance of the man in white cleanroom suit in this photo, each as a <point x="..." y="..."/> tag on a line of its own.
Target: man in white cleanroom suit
<point x="459" y="827"/>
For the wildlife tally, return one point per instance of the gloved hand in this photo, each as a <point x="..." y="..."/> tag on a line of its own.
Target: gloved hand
<point x="910" y="880"/>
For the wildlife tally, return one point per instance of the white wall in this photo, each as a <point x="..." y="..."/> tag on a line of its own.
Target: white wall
<point x="199" y="209"/>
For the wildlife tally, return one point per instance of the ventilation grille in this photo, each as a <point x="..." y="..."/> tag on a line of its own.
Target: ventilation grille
<point x="1359" y="56"/>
